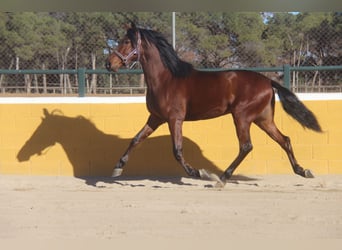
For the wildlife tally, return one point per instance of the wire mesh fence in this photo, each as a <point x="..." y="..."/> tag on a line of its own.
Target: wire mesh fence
<point x="71" y="40"/>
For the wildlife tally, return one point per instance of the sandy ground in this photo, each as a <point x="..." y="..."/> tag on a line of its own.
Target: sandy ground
<point x="270" y="206"/>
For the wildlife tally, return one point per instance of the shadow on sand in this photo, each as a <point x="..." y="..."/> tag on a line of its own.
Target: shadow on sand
<point x="136" y="181"/>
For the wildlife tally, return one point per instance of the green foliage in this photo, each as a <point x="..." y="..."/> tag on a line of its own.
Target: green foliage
<point x="295" y="38"/>
<point x="236" y="39"/>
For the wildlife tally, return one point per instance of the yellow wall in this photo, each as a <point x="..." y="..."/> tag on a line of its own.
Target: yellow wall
<point x="86" y="139"/>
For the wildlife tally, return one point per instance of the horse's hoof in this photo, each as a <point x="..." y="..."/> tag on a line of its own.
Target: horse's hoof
<point x="205" y="175"/>
<point x="117" y="172"/>
<point x="220" y="184"/>
<point x="308" y="174"/>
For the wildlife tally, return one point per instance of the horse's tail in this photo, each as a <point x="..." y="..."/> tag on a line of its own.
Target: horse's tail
<point x="295" y="108"/>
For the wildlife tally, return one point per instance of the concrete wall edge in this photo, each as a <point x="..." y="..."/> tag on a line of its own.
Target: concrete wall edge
<point x="133" y="99"/>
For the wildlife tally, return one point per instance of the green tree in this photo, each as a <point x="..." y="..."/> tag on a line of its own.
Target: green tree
<point x="245" y="31"/>
<point x="70" y="40"/>
<point x="304" y="39"/>
<point x="221" y="39"/>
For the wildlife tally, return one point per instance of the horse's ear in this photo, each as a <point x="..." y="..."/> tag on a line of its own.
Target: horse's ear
<point x="133" y="26"/>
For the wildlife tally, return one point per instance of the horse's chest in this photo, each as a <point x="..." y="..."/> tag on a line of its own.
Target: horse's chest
<point x="156" y="105"/>
<point x="166" y="102"/>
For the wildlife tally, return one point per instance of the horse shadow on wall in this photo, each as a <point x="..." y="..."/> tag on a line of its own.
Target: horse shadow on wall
<point x="93" y="153"/>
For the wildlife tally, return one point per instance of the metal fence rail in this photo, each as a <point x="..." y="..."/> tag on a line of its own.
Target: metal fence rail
<point x="81" y="88"/>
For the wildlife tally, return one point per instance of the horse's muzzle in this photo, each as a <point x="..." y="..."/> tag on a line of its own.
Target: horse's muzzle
<point x="108" y="65"/>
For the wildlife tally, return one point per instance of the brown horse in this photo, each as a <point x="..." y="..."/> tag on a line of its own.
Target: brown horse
<point x="176" y="92"/>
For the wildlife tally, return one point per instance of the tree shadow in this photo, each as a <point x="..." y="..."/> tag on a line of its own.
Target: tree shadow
<point x="93" y="154"/>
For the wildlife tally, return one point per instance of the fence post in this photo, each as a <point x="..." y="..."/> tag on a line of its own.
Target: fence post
<point x="81" y="82"/>
<point x="287" y="76"/>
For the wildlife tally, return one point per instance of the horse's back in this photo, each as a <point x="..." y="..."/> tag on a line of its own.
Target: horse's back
<point x="228" y="85"/>
<point x="212" y="94"/>
<point x="253" y="94"/>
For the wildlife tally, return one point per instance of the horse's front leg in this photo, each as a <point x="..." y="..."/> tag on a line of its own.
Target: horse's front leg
<point x="175" y="126"/>
<point x="152" y="124"/>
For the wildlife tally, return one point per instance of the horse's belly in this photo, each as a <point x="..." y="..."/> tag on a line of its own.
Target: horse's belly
<point x="193" y="115"/>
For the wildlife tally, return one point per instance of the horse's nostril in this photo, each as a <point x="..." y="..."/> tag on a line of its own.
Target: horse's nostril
<point x="108" y="65"/>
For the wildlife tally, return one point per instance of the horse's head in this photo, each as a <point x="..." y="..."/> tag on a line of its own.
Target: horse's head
<point x="128" y="50"/>
<point x="42" y="138"/>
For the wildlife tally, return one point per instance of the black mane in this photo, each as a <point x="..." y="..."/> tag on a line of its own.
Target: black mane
<point x="168" y="55"/>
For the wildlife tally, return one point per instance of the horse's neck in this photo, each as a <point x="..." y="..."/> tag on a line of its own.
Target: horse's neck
<point x="154" y="70"/>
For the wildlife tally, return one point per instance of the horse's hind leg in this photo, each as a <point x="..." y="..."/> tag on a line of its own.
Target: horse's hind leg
<point x="271" y="129"/>
<point x="152" y="124"/>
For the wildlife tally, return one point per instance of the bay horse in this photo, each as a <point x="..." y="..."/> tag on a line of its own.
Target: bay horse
<point x="177" y="92"/>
